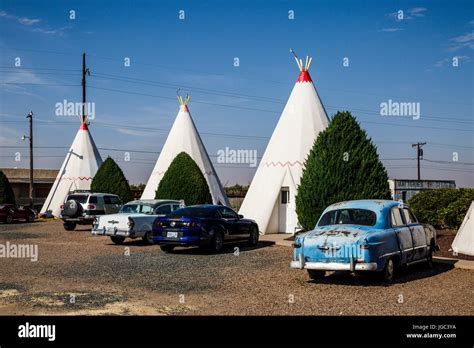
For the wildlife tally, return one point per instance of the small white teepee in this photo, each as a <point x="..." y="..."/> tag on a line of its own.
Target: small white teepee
<point x="184" y="137"/>
<point x="77" y="171"/>
<point x="463" y="243"/>
<point x="270" y="199"/>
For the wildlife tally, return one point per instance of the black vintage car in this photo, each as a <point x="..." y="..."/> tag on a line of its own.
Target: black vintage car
<point x="207" y="226"/>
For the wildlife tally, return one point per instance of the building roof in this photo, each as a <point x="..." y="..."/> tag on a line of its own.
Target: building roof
<point x="22" y="175"/>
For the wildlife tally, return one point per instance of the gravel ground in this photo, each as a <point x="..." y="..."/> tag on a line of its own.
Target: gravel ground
<point x="77" y="273"/>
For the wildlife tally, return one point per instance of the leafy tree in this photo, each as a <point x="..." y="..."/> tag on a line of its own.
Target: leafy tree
<point x="184" y="180"/>
<point x="6" y="192"/>
<point x="110" y="179"/>
<point x="342" y="165"/>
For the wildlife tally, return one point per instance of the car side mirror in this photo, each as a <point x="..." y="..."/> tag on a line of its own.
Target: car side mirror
<point x="241" y="216"/>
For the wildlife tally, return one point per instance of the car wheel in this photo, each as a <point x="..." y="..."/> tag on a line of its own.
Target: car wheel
<point x="253" y="238"/>
<point x="315" y="274"/>
<point x="217" y="242"/>
<point x="117" y="239"/>
<point x="167" y="248"/>
<point x="9" y="218"/>
<point x="30" y="218"/>
<point x="429" y="258"/>
<point x="388" y="273"/>
<point x="148" y="238"/>
<point x="69" y="226"/>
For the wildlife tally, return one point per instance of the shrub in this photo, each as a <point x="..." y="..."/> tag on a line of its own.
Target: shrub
<point x="442" y="208"/>
<point x="184" y="180"/>
<point x="342" y="165"/>
<point x="6" y="191"/>
<point x="110" y="179"/>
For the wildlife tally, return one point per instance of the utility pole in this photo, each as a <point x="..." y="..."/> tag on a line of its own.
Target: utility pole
<point x="419" y="154"/>
<point x="30" y="138"/>
<point x="85" y="71"/>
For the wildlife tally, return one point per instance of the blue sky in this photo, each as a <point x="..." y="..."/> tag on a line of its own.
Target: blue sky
<point x="407" y="60"/>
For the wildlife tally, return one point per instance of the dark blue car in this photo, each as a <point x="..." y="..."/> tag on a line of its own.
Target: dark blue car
<point x="208" y="226"/>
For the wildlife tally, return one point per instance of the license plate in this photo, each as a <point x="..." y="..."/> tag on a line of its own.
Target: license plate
<point x="172" y="234"/>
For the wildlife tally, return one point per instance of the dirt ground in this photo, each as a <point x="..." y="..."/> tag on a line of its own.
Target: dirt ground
<point x="77" y="273"/>
<point x="445" y="239"/>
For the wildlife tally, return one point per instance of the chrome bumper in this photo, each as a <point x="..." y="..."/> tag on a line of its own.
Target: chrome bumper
<point x="334" y="266"/>
<point x="115" y="232"/>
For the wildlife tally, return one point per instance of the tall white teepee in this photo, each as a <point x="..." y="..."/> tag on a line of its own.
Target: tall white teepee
<point x="184" y="137"/>
<point x="76" y="173"/>
<point x="270" y="199"/>
<point x="463" y="243"/>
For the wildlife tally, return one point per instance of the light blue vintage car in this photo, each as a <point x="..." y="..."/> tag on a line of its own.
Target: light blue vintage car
<point x="364" y="235"/>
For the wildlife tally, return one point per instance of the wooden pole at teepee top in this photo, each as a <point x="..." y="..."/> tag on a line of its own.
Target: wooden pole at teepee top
<point x="298" y="61"/>
<point x="309" y="63"/>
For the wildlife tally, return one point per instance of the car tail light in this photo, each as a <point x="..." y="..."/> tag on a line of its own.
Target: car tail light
<point x="62" y="206"/>
<point x="91" y="206"/>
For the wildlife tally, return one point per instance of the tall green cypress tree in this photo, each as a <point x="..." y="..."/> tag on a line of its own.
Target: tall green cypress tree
<point x="184" y="180"/>
<point x="110" y="179"/>
<point x="342" y="165"/>
<point x="6" y="192"/>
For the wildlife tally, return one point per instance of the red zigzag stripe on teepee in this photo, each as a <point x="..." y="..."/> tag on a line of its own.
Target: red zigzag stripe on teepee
<point x="282" y="164"/>
<point x="76" y="178"/>
<point x="161" y="173"/>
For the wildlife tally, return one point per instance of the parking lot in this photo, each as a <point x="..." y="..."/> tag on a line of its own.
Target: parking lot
<point x="77" y="273"/>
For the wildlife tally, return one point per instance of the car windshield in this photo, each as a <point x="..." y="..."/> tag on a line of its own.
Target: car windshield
<point x="78" y="198"/>
<point x="137" y="208"/>
<point x="192" y="212"/>
<point x="348" y="217"/>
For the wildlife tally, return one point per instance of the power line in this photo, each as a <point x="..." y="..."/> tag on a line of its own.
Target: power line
<point x="238" y="77"/>
<point x="253" y="97"/>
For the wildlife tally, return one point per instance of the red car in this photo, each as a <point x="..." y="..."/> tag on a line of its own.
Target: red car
<point x="10" y="213"/>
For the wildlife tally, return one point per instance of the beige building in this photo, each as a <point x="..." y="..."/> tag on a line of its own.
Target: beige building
<point x="404" y="189"/>
<point x="19" y="178"/>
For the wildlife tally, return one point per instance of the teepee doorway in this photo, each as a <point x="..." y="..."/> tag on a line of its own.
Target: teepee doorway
<point x="283" y="218"/>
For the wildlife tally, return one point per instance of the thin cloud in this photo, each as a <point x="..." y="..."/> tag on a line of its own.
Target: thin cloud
<point x="391" y="30"/>
<point x="17" y="82"/>
<point x="134" y="132"/>
<point x="412" y="13"/>
<point x="32" y="23"/>
<point x="59" y="31"/>
<point x="441" y="63"/>
<point x="417" y="12"/>
<point x="462" y="41"/>
<point x="22" y="20"/>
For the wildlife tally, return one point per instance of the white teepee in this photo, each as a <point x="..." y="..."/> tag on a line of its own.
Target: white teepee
<point x="463" y="243"/>
<point x="77" y="171"/>
<point x="270" y="199"/>
<point x="184" y="137"/>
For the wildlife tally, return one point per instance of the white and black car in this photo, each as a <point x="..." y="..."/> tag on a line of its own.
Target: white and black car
<point x="81" y="207"/>
<point x="134" y="220"/>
